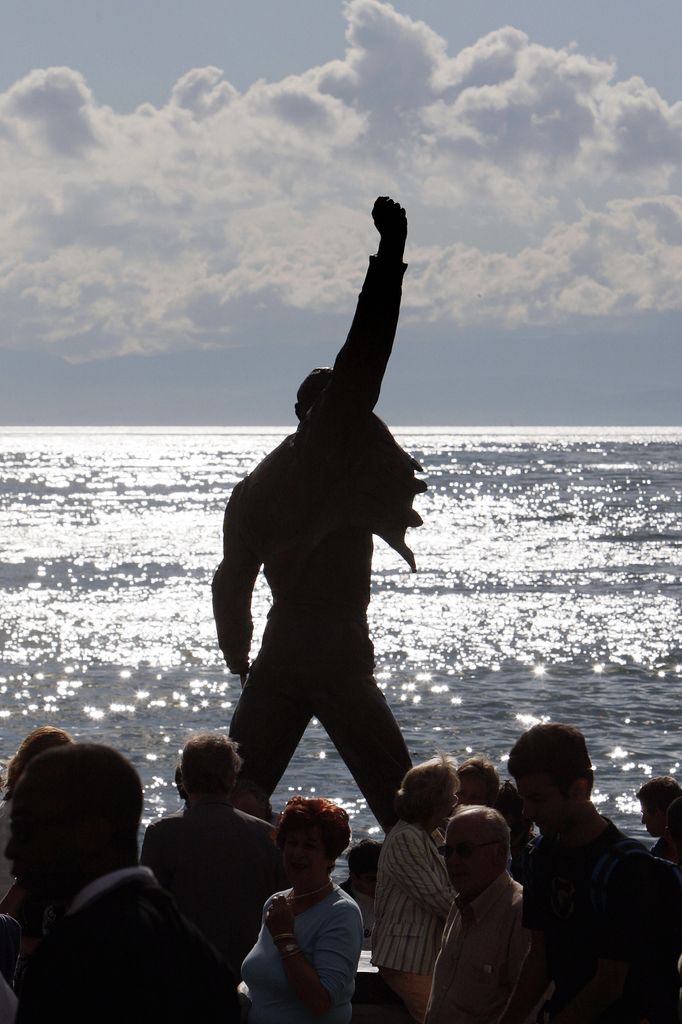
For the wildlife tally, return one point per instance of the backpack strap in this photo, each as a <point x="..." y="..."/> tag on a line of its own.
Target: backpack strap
<point x="606" y="865"/>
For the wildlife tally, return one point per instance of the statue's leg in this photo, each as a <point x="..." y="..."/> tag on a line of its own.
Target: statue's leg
<point x="268" y="723"/>
<point x="361" y="726"/>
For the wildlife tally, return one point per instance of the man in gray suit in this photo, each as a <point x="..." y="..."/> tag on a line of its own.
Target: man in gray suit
<point x="219" y="864"/>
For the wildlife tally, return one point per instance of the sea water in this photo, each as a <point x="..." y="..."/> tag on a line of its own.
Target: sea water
<point x="548" y="590"/>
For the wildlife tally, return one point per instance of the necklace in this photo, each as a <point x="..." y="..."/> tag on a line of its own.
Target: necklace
<point x="313" y="892"/>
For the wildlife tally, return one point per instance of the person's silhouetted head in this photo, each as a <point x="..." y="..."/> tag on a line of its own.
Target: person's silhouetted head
<point x="554" y="775"/>
<point x="311" y="389"/>
<point x="479" y="782"/>
<point x="476" y="849"/>
<point x="75" y="816"/>
<point x="655" y="797"/>
<point x="427" y="792"/>
<point x="249" y="797"/>
<point x="556" y="750"/>
<point x="209" y="765"/>
<point x="315" y="815"/>
<point x="363" y="864"/>
<point x="510" y="805"/>
<point x="43" y="738"/>
<point x="364" y="856"/>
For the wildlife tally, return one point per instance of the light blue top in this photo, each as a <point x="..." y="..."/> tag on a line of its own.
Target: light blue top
<point x="330" y="936"/>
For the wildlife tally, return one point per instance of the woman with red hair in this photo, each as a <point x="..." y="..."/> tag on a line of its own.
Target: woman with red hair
<point x="303" y="965"/>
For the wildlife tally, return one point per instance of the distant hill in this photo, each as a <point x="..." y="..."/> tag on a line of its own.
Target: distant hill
<point x="477" y="380"/>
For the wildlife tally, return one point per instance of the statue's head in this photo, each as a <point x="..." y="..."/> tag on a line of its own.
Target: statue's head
<point x="311" y="388"/>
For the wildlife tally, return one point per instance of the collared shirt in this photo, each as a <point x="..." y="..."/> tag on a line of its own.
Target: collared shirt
<point x="93" y="890"/>
<point x="484" y="946"/>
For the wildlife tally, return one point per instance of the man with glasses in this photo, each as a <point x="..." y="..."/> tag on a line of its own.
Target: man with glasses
<point x="484" y="944"/>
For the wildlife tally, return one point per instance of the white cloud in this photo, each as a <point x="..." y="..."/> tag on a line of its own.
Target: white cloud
<point x="203" y="91"/>
<point x="54" y="106"/>
<point x="388" y="69"/>
<point x="622" y="260"/>
<point x="540" y="189"/>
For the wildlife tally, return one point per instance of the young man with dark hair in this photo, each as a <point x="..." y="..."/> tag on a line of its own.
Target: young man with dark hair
<point x="590" y="897"/>
<point x="655" y="798"/>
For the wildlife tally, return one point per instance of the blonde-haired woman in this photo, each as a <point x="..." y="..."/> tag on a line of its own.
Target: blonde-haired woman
<point x="414" y="893"/>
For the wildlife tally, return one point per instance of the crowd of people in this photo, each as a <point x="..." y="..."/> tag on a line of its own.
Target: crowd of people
<point x="233" y="916"/>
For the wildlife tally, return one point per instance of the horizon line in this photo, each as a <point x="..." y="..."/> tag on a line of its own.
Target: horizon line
<point x="288" y="428"/>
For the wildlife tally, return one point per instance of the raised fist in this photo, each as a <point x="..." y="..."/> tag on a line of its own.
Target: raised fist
<point x="390" y="220"/>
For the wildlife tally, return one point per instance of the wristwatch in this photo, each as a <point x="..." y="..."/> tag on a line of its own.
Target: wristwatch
<point x="288" y="948"/>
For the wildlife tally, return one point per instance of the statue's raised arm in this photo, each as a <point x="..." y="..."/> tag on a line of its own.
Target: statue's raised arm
<point x="360" y="365"/>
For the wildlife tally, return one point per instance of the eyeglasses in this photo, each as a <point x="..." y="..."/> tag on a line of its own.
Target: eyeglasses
<point x="464" y="849"/>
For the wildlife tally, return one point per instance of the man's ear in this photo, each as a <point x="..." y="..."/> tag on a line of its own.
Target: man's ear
<point x="579" y="789"/>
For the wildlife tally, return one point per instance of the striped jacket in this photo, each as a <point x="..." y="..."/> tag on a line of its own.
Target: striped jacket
<point x="413" y="899"/>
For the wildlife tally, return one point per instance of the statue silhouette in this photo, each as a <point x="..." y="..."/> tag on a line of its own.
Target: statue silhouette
<point x="307" y="514"/>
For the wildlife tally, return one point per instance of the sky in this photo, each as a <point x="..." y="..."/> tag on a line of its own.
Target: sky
<point x="187" y="192"/>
